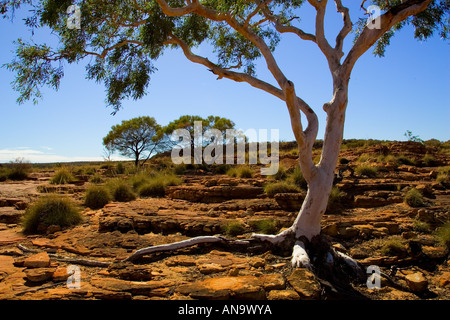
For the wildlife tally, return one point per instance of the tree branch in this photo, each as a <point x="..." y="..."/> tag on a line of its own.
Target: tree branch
<point x="288" y="29"/>
<point x="346" y="29"/>
<point x="369" y="37"/>
<point x="225" y="73"/>
<point x="324" y="46"/>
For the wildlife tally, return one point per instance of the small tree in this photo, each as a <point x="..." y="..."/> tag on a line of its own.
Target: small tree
<point x="136" y="138"/>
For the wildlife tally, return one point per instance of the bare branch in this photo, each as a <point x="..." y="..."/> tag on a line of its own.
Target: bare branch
<point x="224" y="72"/>
<point x="282" y="28"/>
<point x="260" y="6"/>
<point x="369" y="36"/>
<point x="346" y="29"/>
<point x="327" y="50"/>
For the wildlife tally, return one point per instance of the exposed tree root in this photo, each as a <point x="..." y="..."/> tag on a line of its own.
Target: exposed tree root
<point x="334" y="269"/>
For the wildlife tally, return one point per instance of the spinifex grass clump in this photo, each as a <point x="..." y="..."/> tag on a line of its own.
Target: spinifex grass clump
<point x="233" y="228"/>
<point x="156" y="186"/>
<point x="365" y="170"/>
<point x="271" y="189"/>
<point x="414" y="198"/>
<point x="62" y="176"/>
<point x="97" y="197"/>
<point x="265" y="226"/>
<point x="51" y="210"/>
<point x="120" y="190"/>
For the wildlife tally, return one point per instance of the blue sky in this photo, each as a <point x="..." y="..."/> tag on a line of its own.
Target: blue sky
<point x="406" y="90"/>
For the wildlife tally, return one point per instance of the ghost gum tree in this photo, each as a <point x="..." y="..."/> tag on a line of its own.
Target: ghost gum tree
<point x="124" y="38"/>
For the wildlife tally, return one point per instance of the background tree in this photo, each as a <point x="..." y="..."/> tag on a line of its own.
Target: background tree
<point x="187" y="122"/>
<point x="137" y="138"/>
<point x="125" y="37"/>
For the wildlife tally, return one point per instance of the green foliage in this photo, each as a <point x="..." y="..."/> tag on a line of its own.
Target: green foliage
<point x="408" y="134"/>
<point x="96" y="178"/>
<point x="297" y="179"/>
<point x="335" y="201"/>
<point x="135" y="138"/>
<point x="365" y="170"/>
<point x="271" y="189"/>
<point x="240" y="172"/>
<point x="18" y="169"/>
<point x="62" y="176"/>
<point x="120" y="190"/>
<point x="264" y="226"/>
<point x="97" y="197"/>
<point x="394" y="247"/>
<point x="51" y="210"/>
<point x="233" y="228"/>
<point x="414" y="198"/>
<point x="443" y="234"/>
<point x="443" y="177"/>
<point x="154" y="188"/>
<point x="429" y="160"/>
<point x="421" y="226"/>
<point x="153" y="185"/>
<point x="402" y="159"/>
<point x="122" y="39"/>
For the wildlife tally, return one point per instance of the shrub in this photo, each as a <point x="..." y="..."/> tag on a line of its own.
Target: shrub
<point x="443" y="234"/>
<point x="97" y="197"/>
<point x="296" y="178"/>
<point x="334" y="201"/>
<point x="271" y="189"/>
<point x="429" y="160"/>
<point x="139" y="179"/>
<point x="51" y="210"/>
<point x="402" y="159"/>
<point x="62" y="176"/>
<point x="233" y="228"/>
<point x="244" y="172"/>
<point x="120" y="190"/>
<point x="365" y="170"/>
<point x="96" y="178"/>
<point x="240" y="172"/>
<point x="180" y="168"/>
<point x="19" y="169"/>
<point x="232" y="172"/>
<point x="155" y="188"/>
<point x="414" y="198"/>
<point x="281" y="174"/>
<point x="265" y="226"/>
<point x="394" y="247"/>
<point x="120" y="168"/>
<point x="421" y="226"/>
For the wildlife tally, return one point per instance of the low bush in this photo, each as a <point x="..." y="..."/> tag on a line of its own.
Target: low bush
<point x="402" y="159"/>
<point x="367" y="171"/>
<point x="429" y="160"/>
<point x="120" y="190"/>
<point x="96" y="178"/>
<point x="233" y="228"/>
<point x="264" y="226"/>
<point x="394" y="247"/>
<point x="296" y="178"/>
<point x="154" y="188"/>
<point x="240" y="172"/>
<point x="51" y="210"/>
<point x="335" y="201"/>
<point x="19" y="169"/>
<point x="62" y="176"/>
<point x="421" y="226"/>
<point x="271" y="189"/>
<point x="443" y="234"/>
<point x="414" y="198"/>
<point x="97" y="197"/>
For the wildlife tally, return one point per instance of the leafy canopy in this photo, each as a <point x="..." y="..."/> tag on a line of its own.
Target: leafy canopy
<point x="125" y="38"/>
<point x="136" y="137"/>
